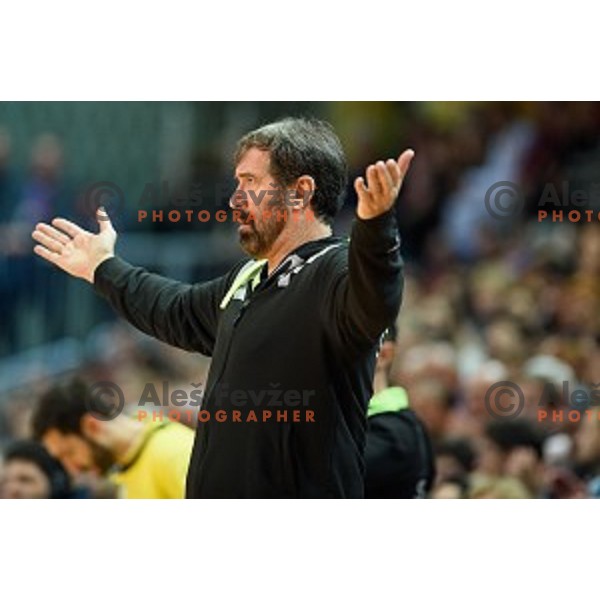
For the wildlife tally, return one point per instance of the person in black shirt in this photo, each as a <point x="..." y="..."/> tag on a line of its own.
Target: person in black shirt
<point x="295" y="328"/>
<point x="30" y="472"/>
<point x="399" y="455"/>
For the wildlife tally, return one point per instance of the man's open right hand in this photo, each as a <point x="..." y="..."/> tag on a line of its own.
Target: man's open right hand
<point x="73" y="249"/>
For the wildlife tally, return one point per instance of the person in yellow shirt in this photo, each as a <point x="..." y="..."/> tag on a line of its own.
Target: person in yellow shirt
<point x="144" y="459"/>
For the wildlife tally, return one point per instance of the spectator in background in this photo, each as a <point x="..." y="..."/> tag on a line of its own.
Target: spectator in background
<point x="145" y="459"/>
<point x="432" y="402"/>
<point x="468" y="420"/>
<point x="36" y="303"/>
<point x="398" y="455"/>
<point x="454" y="458"/>
<point x="43" y="188"/>
<point x="40" y="196"/>
<point x="512" y="449"/>
<point x="8" y="196"/>
<point x="454" y="461"/>
<point x="452" y="488"/>
<point x="498" y="488"/>
<point x="8" y="183"/>
<point x="587" y="452"/>
<point x="31" y="473"/>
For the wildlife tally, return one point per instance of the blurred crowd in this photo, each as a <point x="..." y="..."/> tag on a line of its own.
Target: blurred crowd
<point x="514" y="302"/>
<point x="509" y="303"/>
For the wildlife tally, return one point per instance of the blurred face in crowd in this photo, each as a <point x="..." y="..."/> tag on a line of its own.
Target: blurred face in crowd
<point x="78" y="453"/>
<point x="428" y="399"/>
<point x="447" y="490"/>
<point x="520" y="463"/>
<point x="47" y="156"/>
<point x="491" y="458"/>
<point x="475" y="393"/>
<point x="447" y="467"/>
<point x="23" y="479"/>
<point x="260" y="211"/>
<point x="587" y="439"/>
<point x="504" y="340"/>
<point x="535" y="392"/>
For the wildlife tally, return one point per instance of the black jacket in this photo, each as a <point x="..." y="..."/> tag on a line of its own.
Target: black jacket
<point x="310" y="329"/>
<point x="399" y="456"/>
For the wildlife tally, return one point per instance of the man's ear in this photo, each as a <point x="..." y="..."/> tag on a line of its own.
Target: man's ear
<point x="305" y="189"/>
<point x="386" y="354"/>
<point x="91" y="427"/>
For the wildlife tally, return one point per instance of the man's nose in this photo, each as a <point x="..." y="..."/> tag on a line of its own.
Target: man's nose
<point x="9" y="491"/>
<point x="71" y="467"/>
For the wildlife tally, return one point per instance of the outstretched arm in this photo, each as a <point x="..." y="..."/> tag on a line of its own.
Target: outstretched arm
<point x="366" y="298"/>
<point x="179" y="314"/>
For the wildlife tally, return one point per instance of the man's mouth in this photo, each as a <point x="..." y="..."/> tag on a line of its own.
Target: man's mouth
<point x="245" y="227"/>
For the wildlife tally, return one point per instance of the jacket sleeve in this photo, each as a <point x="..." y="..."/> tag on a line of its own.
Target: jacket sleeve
<point x="180" y="314"/>
<point x="365" y="292"/>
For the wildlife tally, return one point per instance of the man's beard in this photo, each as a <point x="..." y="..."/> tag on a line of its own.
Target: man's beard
<point x="259" y="236"/>
<point x="103" y="459"/>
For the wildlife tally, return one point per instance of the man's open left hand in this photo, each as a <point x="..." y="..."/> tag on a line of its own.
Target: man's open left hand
<point x="384" y="180"/>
